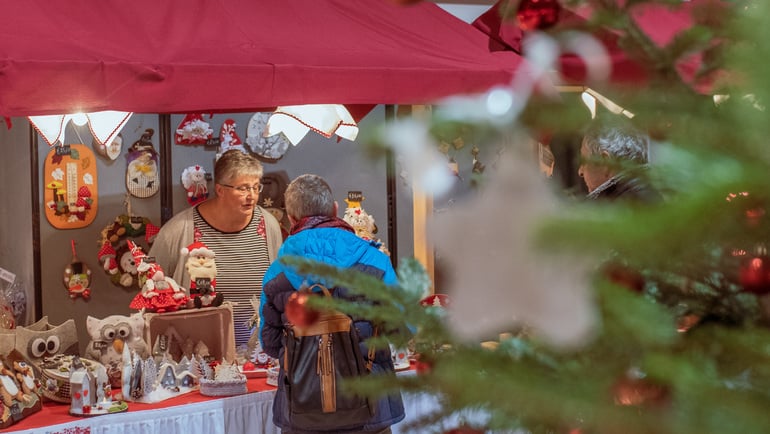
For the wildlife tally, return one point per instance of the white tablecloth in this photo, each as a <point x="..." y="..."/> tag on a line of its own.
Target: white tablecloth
<point x="251" y="413"/>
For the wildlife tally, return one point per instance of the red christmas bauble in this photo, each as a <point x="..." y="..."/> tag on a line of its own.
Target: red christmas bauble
<point x="754" y="274"/>
<point x="538" y="14"/>
<point x="624" y="276"/>
<point x="639" y="392"/>
<point x="422" y="365"/>
<point x="298" y="312"/>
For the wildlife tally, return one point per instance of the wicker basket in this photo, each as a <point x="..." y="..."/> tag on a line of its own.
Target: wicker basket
<point x="55" y="376"/>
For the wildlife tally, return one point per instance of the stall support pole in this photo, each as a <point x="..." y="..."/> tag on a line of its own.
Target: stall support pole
<point x="390" y="170"/>
<point x="34" y="169"/>
<point x="166" y="181"/>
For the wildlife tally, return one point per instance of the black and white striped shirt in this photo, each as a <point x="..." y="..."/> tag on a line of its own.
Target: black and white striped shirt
<point x="242" y="260"/>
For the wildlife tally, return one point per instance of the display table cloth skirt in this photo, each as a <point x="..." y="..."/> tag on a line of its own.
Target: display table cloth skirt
<point x="191" y="413"/>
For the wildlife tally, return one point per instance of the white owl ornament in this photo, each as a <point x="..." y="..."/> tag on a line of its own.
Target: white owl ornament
<point x="109" y="336"/>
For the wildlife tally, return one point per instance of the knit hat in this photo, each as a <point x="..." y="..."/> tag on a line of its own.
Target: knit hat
<point x="198" y="249"/>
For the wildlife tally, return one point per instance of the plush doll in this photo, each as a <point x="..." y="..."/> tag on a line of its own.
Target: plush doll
<point x="364" y="225"/>
<point x="195" y="182"/>
<point x="159" y="293"/>
<point x="202" y="267"/>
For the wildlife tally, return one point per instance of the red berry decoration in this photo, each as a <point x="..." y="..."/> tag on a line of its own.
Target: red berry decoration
<point x="298" y="312"/>
<point x="249" y="366"/>
<point x="754" y="274"/>
<point x="538" y="14"/>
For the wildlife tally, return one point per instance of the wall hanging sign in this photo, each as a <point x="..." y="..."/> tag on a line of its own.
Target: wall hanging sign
<point x="70" y="180"/>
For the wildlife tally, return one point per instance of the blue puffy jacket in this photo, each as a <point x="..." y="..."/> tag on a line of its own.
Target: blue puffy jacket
<point x="339" y="248"/>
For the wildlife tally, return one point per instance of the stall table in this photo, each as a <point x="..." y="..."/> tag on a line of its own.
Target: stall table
<point x="191" y="413"/>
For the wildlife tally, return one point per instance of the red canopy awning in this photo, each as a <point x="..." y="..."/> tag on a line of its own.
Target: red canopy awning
<point x="174" y="56"/>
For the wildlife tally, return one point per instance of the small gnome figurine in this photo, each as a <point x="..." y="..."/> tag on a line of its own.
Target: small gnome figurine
<point x="202" y="267"/>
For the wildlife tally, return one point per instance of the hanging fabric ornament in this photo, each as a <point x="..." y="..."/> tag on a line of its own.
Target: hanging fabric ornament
<point x="77" y="277"/>
<point x="538" y="14"/>
<point x="109" y="150"/>
<point x="194" y="181"/>
<point x="193" y="130"/>
<point x="143" y="167"/>
<point x="228" y="137"/>
<point x="269" y="149"/>
<point x="70" y="191"/>
<point x="114" y="255"/>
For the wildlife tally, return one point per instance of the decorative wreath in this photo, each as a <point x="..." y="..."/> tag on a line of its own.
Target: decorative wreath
<point x="115" y="255"/>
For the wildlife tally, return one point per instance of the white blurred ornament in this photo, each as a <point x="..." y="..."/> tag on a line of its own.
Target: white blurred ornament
<point x="498" y="277"/>
<point x="418" y="152"/>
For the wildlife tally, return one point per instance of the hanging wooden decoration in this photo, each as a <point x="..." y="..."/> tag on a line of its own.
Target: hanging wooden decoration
<point x="70" y="193"/>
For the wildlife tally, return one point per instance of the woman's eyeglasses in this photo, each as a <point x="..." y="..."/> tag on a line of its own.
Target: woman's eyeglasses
<point x="245" y="189"/>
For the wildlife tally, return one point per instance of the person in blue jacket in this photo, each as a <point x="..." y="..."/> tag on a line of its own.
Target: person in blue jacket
<point x="317" y="233"/>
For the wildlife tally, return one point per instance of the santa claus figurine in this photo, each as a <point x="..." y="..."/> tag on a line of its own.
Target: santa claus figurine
<point x="202" y="267"/>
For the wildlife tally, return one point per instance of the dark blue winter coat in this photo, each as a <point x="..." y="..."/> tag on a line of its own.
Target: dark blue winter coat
<point x="340" y="248"/>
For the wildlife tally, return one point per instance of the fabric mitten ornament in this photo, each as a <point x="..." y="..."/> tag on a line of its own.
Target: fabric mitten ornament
<point x="228" y="137"/>
<point x="143" y="167"/>
<point x="193" y="130"/>
<point x="194" y="181"/>
<point x="77" y="277"/>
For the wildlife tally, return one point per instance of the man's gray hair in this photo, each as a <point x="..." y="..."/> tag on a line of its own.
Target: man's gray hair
<point x="309" y="195"/>
<point x="618" y="137"/>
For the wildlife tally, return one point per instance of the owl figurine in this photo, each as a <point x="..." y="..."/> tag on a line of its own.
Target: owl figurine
<point x="42" y="340"/>
<point x="109" y="336"/>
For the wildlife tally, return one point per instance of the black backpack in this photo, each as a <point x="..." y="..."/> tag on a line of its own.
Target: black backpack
<point x="316" y="359"/>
